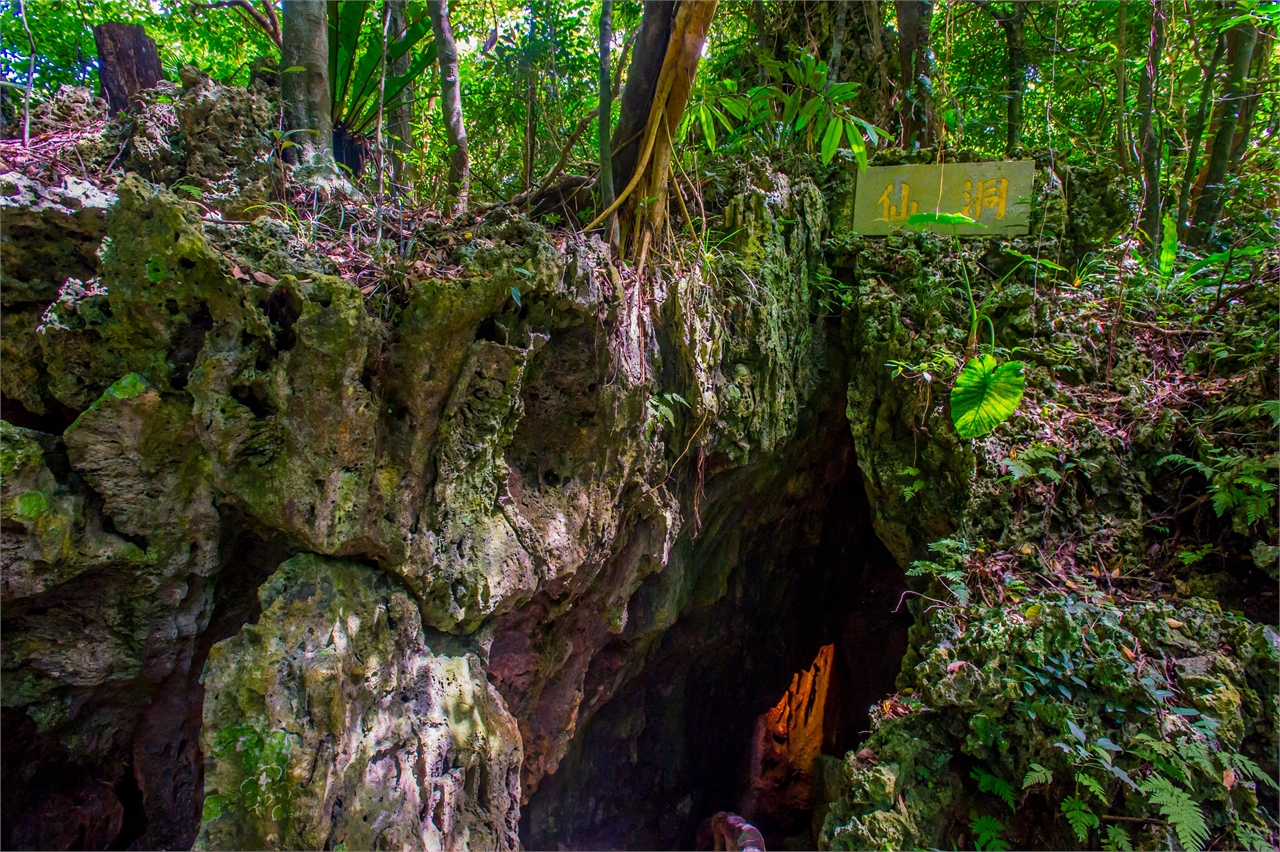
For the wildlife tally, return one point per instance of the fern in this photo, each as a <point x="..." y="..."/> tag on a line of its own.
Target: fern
<point x="1183" y="813"/>
<point x="1093" y="785"/>
<point x="988" y="783"/>
<point x="1117" y="840"/>
<point x="1080" y="817"/>
<point x="1036" y="774"/>
<point x="986" y="834"/>
<point x="1246" y="767"/>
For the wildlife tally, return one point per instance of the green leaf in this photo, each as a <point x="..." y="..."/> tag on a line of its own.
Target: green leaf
<point x="951" y="219"/>
<point x="1049" y="264"/>
<point x="708" y="124"/>
<point x="807" y="112"/>
<point x="1183" y="813"/>
<point x="515" y="294"/>
<point x="1036" y="774"/>
<point x="1076" y="731"/>
<point x="1168" y="246"/>
<point x="856" y="145"/>
<point x="294" y="68"/>
<point x="1079" y="816"/>
<point x="988" y="783"/>
<point x="1117" y="839"/>
<point x="1248" y="251"/>
<point x="831" y="140"/>
<point x="985" y="394"/>
<point x="986" y="833"/>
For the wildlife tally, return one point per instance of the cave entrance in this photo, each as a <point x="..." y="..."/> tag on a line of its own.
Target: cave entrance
<point x="725" y="715"/>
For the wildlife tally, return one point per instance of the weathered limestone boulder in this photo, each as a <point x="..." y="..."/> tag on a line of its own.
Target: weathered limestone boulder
<point x="332" y="723"/>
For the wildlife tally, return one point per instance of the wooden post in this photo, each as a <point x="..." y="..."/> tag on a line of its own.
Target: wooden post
<point x="127" y="63"/>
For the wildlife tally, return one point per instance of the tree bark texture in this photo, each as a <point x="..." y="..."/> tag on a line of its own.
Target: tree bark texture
<point x="837" y="42"/>
<point x="1261" y="53"/>
<point x="1016" y="57"/>
<point x="915" y="59"/>
<point x="1150" y="133"/>
<point x="451" y="103"/>
<point x="647" y="59"/>
<point x="643" y="201"/>
<point x="605" y="113"/>
<point x="127" y="63"/>
<point x="305" y="93"/>
<point x="1243" y="37"/>
<point x="1195" y="133"/>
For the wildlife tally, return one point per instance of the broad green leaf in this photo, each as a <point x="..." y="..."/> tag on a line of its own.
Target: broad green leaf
<point x="708" y="123"/>
<point x="807" y="112"/>
<point x="831" y="140"/>
<point x="1168" y="246"/>
<point x="856" y="145"/>
<point x="791" y="105"/>
<point x="1248" y="251"/>
<point x="985" y="394"/>
<point x="953" y="219"/>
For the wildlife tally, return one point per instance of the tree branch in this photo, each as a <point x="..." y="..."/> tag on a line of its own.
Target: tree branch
<point x="270" y="26"/>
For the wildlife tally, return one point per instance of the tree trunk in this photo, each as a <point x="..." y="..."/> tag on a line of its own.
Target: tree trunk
<point x="1243" y="37"/>
<point x="1015" y="54"/>
<point x="530" y="148"/>
<point x="305" y="94"/>
<point x="605" y="113"/>
<point x="1122" y="90"/>
<point x="127" y="63"/>
<point x="642" y="81"/>
<point x="915" y="58"/>
<point x="451" y="101"/>
<point x="1150" y="136"/>
<point x="643" y="201"/>
<point x="401" y="124"/>
<point x="1195" y="134"/>
<point x="837" y="42"/>
<point x="1261" y="50"/>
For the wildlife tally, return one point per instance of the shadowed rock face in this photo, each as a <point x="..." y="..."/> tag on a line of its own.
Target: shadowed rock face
<point x="274" y="564"/>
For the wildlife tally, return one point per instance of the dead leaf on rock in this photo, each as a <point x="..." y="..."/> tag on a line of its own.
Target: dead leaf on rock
<point x="263" y="278"/>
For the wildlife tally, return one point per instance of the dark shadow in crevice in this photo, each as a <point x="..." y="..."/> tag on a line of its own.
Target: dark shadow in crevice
<point x="807" y="570"/>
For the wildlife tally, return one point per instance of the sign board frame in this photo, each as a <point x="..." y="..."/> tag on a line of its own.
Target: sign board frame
<point x="996" y="194"/>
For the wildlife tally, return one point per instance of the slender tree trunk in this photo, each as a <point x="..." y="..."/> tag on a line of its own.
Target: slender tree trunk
<point x="1150" y="138"/>
<point x="401" y="124"/>
<point x="915" y="58"/>
<point x="1122" y="89"/>
<point x="643" y="199"/>
<point x="1015" y="54"/>
<point x="605" y="114"/>
<point x="1195" y="133"/>
<point x="642" y="81"/>
<point x="757" y="19"/>
<point x="451" y="103"/>
<point x="305" y="94"/>
<point x="1209" y="208"/>
<point x="1261" y="50"/>
<point x="127" y="62"/>
<point x="837" y="42"/>
<point x="530" y="108"/>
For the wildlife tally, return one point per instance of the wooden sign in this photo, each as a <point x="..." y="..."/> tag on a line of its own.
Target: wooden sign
<point x="996" y="195"/>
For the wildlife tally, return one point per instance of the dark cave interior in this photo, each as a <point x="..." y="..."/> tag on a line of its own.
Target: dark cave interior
<point x="674" y="746"/>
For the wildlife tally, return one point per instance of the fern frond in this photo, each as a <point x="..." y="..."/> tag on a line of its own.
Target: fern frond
<point x="1117" y="840"/>
<point x="1183" y="813"/>
<point x="1080" y="817"/>
<point x="1036" y="774"/>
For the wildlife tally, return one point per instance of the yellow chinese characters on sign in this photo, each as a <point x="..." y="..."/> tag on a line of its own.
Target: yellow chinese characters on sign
<point x="996" y="195"/>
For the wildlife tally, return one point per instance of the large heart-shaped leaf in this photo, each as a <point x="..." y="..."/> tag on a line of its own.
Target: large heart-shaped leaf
<point x="985" y="394"/>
